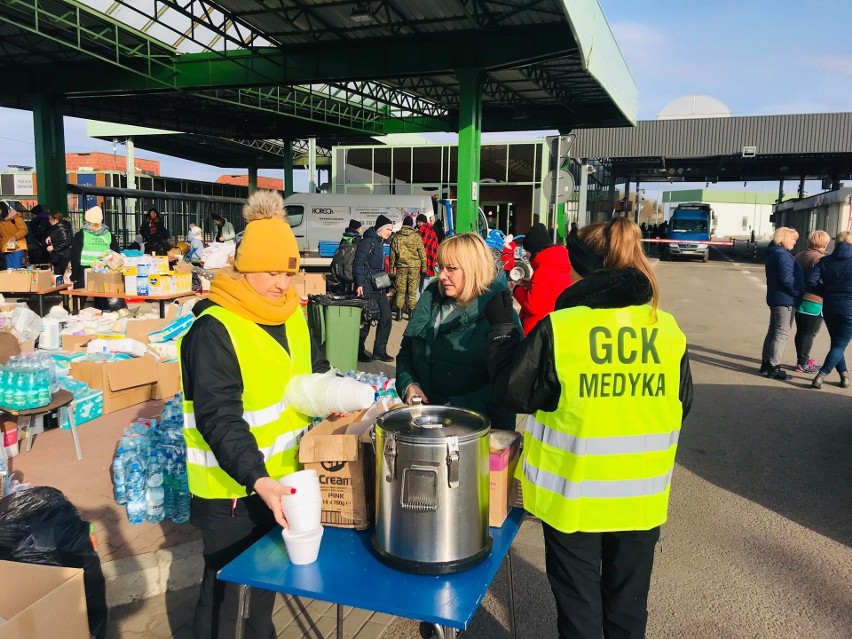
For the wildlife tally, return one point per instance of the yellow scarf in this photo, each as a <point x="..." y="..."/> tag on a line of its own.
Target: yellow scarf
<point x="237" y="296"/>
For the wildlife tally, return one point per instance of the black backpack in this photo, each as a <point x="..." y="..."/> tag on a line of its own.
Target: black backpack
<point x="343" y="261"/>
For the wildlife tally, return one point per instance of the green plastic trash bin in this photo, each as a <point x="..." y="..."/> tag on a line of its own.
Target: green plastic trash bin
<point x="335" y="324"/>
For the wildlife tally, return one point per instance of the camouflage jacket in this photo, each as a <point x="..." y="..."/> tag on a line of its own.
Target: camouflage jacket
<point x="406" y="250"/>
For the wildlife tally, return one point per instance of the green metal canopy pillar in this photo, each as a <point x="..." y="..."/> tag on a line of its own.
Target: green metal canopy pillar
<point x="470" y="134"/>
<point x="288" y="167"/>
<point x="50" y="153"/>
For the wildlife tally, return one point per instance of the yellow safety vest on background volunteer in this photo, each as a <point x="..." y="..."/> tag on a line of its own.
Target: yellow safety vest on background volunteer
<point x="603" y="460"/>
<point x="94" y="247"/>
<point x="266" y="368"/>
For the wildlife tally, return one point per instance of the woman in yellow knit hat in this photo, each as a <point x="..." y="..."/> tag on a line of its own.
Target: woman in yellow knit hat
<point x="249" y="338"/>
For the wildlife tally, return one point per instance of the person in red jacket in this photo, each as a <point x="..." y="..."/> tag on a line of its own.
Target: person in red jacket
<point x="551" y="275"/>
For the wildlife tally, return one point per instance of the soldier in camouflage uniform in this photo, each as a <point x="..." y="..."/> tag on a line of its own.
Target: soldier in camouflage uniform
<point x="408" y="261"/>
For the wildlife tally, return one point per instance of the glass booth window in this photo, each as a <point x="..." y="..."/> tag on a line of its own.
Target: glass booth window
<point x="382" y="165"/>
<point x="522" y="163"/>
<point x="427" y="164"/>
<point x="492" y="163"/>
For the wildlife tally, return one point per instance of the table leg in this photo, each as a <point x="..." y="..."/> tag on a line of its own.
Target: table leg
<point x="446" y="632"/>
<point x="339" y="621"/>
<point x="29" y="423"/>
<point x="69" y="410"/>
<point x="510" y="579"/>
<point x="41" y="305"/>
<point x="243" y="606"/>
<point x="162" y="309"/>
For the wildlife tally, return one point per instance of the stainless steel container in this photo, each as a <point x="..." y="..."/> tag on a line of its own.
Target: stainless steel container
<point x="432" y="489"/>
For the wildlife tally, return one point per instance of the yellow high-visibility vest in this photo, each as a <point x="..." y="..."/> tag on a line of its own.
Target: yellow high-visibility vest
<point x="94" y="247"/>
<point x="266" y="368"/>
<point x="603" y="460"/>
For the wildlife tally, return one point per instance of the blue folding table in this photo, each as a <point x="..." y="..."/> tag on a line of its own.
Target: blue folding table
<point x="348" y="573"/>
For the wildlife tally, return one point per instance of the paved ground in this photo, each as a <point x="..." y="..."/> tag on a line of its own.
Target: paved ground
<point x="758" y="542"/>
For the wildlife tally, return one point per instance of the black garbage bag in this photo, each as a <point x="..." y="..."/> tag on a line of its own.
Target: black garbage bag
<point x="40" y="526"/>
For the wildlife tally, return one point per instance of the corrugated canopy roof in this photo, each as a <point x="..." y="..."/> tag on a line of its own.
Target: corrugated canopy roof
<point x="252" y="69"/>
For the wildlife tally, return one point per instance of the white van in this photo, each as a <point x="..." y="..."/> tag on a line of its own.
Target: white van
<point x="322" y="217"/>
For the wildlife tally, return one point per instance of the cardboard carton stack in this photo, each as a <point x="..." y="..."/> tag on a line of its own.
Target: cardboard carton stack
<point x="25" y="280"/>
<point x="142" y="276"/>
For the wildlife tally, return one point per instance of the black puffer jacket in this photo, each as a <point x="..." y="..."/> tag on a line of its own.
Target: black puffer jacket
<point x="61" y="237"/>
<point x="369" y="260"/>
<point x="834" y="275"/>
<point x="522" y="372"/>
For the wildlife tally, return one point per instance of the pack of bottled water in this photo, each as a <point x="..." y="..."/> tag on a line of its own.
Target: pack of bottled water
<point x="28" y="381"/>
<point x="149" y="468"/>
<point x="385" y="386"/>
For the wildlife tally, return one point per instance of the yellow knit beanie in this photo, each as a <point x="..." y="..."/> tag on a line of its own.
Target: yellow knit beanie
<point x="268" y="244"/>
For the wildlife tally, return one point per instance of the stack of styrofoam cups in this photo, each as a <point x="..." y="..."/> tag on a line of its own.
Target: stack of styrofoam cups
<point x="346" y="395"/>
<point x="303" y="511"/>
<point x="320" y="395"/>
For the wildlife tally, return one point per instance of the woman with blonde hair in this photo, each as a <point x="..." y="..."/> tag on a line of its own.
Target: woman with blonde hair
<point x="248" y="339"/>
<point x="833" y="274"/>
<point x="606" y="381"/>
<point x="442" y="357"/>
<point x="785" y="285"/>
<point x="809" y="311"/>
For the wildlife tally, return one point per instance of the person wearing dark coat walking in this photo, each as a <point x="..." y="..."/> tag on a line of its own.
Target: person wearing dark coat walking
<point x="785" y="285"/>
<point x="833" y="274"/>
<point x="551" y="275"/>
<point x="370" y="262"/>
<point x="58" y="244"/>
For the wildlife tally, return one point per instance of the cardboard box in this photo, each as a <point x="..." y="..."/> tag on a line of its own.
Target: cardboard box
<point x="124" y="383"/>
<point x="309" y="283"/>
<point x="76" y="343"/>
<point x="104" y="282"/>
<point x="168" y="380"/>
<point x="503" y="487"/>
<point x="346" y="468"/>
<point x="41" y="280"/>
<point x="18" y="281"/>
<point x="42" y="602"/>
<point x="140" y="329"/>
<point x="87" y="406"/>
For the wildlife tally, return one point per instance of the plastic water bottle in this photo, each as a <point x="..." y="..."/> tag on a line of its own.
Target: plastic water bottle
<point x="154" y="495"/>
<point x="168" y="485"/>
<point x="20" y="397"/>
<point x="43" y="395"/>
<point x="118" y="479"/>
<point x="181" y="515"/>
<point x="135" y="484"/>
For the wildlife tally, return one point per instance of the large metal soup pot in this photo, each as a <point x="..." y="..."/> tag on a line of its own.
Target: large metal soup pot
<point x="432" y="478"/>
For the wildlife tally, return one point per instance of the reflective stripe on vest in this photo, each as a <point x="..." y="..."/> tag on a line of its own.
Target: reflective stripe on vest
<point x="603" y="460"/>
<point x="94" y="247"/>
<point x="265" y="368"/>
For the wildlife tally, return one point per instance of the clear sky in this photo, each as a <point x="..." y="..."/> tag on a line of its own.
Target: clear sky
<point x="757" y="56"/>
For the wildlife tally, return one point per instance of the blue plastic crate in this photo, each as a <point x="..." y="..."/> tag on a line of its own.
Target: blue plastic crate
<point x="327" y="248"/>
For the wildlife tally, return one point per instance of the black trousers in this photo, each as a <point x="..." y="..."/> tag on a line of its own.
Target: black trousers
<point x="225" y="537"/>
<point x="807" y="327"/>
<point x="600" y="581"/>
<point x="383" y="328"/>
